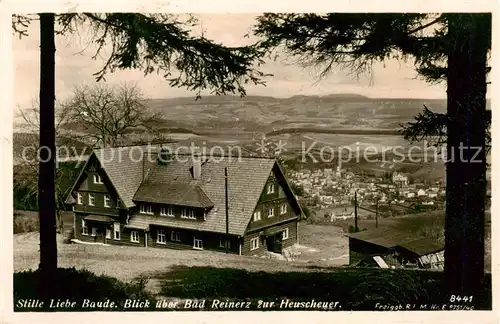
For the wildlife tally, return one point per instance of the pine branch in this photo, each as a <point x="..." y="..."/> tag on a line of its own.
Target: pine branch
<point x="156" y="43"/>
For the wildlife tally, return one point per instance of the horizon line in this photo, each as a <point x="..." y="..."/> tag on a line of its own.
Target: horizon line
<point x="340" y="94"/>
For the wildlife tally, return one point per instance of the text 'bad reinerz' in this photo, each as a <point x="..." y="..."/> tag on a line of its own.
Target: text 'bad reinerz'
<point x="186" y="304"/>
<point x="217" y="304"/>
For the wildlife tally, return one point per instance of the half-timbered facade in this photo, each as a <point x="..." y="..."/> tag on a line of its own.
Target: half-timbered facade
<point x="126" y="196"/>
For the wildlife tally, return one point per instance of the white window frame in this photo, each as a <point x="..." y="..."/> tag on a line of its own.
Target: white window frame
<point x="107" y="201"/>
<point x="270" y="188"/>
<point x="257" y="215"/>
<point x="269" y="213"/>
<point x="197" y="244"/>
<point x="188" y="213"/>
<point x="85" y="229"/>
<point x="134" y="236"/>
<point x="146" y="209"/>
<point x="167" y="211"/>
<point x="286" y="234"/>
<point x="97" y="178"/>
<point x="91" y="199"/>
<point x="254" y="244"/>
<point x="161" y="236"/>
<point x="116" y="229"/>
<point x="223" y="241"/>
<point x="79" y="198"/>
<point x="175" y="237"/>
<point x="94" y="231"/>
<point x="283" y="209"/>
<point x="108" y="233"/>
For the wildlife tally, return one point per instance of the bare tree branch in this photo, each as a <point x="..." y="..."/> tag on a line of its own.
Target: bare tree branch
<point x="108" y="113"/>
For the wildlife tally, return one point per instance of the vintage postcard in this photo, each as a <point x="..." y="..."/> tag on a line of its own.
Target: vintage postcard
<point x="307" y="162"/>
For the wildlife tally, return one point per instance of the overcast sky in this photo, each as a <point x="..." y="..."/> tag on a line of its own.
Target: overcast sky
<point x="394" y="79"/>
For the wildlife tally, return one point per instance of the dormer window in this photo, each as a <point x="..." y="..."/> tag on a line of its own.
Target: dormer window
<point x="270" y="188"/>
<point x="167" y="211"/>
<point x="97" y="179"/>
<point x="188" y="213"/>
<point x="146" y="209"/>
<point x="79" y="199"/>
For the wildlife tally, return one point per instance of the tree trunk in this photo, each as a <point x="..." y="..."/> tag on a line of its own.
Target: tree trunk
<point x="46" y="176"/>
<point x="466" y="160"/>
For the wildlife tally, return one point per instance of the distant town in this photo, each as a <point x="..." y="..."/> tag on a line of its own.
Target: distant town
<point x="333" y="191"/>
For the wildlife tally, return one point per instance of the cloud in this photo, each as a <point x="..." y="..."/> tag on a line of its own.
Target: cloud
<point x="74" y="65"/>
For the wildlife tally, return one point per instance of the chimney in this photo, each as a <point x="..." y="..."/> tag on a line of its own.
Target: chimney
<point x="164" y="155"/>
<point x="196" y="166"/>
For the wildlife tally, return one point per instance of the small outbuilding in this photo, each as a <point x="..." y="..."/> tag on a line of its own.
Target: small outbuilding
<point x="396" y="248"/>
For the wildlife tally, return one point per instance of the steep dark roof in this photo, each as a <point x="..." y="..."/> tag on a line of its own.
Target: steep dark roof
<point x="173" y="194"/>
<point x="124" y="167"/>
<point x="392" y="238"/>
<point x="386" y="237"/>
<point x="246" y="180"/>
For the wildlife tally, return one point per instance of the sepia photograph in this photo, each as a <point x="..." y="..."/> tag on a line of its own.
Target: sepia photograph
<point x="302" y="161"/>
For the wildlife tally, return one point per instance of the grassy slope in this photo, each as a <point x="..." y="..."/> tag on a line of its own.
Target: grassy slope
<point x="194" y="274"/>
<point x="178" y="274"/>
<point x="117" y="261"/>
<point x="354" y="289"/>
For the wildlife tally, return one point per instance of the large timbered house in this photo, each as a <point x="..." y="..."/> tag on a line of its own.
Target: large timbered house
<point x="121" y="197"/>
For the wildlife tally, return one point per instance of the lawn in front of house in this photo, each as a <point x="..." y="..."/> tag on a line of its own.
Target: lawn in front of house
<point x="128" y="263"/>
<point x="179" y="274"/>
<point x="322" y="245"/>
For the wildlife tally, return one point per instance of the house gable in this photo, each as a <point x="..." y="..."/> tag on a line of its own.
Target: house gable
<point x="94" y="180"/>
